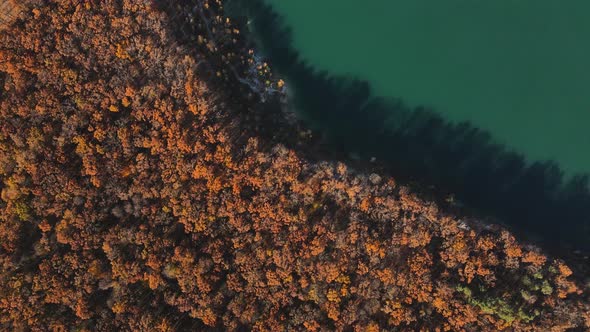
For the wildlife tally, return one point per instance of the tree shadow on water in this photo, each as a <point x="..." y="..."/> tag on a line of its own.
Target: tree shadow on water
<point x="419" y="144"/>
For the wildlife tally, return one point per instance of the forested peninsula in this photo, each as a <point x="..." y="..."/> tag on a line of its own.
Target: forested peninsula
<point x="151" y="180"/>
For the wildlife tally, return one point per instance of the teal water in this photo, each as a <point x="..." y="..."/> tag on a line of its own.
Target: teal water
<point x="519" y="69"/>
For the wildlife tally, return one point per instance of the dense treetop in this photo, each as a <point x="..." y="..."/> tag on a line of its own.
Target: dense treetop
<point x="137" y="193"/>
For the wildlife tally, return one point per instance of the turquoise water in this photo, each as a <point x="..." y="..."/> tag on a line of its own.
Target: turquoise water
<point x="519" y="69"/>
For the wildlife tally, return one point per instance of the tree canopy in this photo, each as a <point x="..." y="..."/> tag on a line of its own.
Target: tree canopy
<point x="137" y="193"/>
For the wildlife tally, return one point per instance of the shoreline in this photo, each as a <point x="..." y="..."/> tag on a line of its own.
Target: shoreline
<point x="168" y="178"/>
<point x="503" y="189"/>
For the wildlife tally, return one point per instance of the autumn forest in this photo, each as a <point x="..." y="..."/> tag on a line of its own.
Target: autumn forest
<point x="142" y="190"/>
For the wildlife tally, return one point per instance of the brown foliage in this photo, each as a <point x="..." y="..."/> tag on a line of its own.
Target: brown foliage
<point x="137" y="194"/>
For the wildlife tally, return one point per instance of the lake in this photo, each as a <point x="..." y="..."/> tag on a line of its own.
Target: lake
<point x="485" y="100"/>
<point x="519" y="69"/>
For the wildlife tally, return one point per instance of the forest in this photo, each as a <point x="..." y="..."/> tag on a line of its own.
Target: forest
<point x="151" y="181"/>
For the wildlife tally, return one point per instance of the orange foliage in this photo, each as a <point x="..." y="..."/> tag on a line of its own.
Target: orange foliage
<point x="141" y="192"/>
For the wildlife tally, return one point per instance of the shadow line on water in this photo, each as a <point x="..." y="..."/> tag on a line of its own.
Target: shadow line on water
<point x="418" y="144"/>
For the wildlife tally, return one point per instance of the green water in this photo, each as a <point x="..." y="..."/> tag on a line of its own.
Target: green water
<point x="517" y="68"/>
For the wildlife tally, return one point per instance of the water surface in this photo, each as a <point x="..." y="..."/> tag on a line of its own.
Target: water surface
<point x="519" y="69"/>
